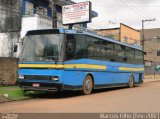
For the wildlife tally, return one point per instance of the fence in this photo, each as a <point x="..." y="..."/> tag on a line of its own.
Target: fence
<point x="8" y="70"/>
<point x="151" y="70"/>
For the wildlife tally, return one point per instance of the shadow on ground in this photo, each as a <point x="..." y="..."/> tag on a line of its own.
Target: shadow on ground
<point x="70" y="94"/>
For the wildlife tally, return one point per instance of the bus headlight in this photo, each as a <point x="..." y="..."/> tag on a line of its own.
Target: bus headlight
<point x="21" y="77"/>
<point x="54" y="78"/>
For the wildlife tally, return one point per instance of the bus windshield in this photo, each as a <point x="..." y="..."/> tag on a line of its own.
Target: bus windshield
<point x="46" y="47"/>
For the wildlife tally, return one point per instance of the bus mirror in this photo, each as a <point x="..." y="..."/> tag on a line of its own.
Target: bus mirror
<point x="15" y="48"/>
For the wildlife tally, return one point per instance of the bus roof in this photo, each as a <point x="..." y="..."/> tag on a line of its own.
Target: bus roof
<point x="53" y="31"/>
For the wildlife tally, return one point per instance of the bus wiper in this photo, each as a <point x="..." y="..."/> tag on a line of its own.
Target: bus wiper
<point x="22" y="60"/>
<point x="52" y="58"/>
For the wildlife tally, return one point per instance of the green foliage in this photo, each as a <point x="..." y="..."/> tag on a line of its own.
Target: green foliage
<point x="157" y="68"/>
<point x="14" y="93"/>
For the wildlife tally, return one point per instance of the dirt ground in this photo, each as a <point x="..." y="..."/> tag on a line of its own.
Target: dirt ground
<point x="144" y="98"/>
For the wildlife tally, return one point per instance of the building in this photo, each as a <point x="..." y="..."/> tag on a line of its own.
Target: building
<point x="37" y="14"/>
<point x="151" y="49"/>
<point x="19" y="16"/>
<point x="124" y="34"/>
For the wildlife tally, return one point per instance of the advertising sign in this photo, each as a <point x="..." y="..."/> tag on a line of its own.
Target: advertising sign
<point x="76" y="13"/>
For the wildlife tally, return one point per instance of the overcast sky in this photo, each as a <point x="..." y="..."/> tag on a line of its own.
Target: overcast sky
<point x="129" y="12"/>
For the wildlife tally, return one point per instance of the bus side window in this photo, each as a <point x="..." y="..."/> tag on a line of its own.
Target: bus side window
<point x="70" y="47"/>
<point x="90" y="51"/>
<point x="138" y="57"/>
<point x="80" y="50"/>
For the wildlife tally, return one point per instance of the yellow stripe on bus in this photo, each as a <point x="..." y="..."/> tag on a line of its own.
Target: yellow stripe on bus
<point x="41" y="66"/>
<point x="69" y="66"/>
<point x="130" y="69"/>
<point x="85" y="66"/>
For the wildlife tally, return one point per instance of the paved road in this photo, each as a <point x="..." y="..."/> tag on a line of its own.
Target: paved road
<point x="145" y="98"/>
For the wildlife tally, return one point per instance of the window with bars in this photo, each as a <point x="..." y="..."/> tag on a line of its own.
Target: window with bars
<point x="29" y="8"/>
<point x="42" y="11"/>
<point x="35" y="9"/>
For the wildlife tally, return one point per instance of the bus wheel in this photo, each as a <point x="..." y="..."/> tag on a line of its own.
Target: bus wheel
<point x="131" y="82"/>
<point x="87" y="85"/>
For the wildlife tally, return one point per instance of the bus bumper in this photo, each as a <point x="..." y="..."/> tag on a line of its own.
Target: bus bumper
<point x="40" y="86"/>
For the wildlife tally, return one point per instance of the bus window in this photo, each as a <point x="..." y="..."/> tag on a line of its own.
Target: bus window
<point x="117" y="47"/>
<point x="75" y="46"/>
<point x="130" y="55"/>
<point x="80" y="48"/>
<point x="120" y="52"/>
<point x="70" y="47"/>
<point x="110" y="45"/>
<point x="103" y="51"/>
<point x="97" y="52"/>
<point x="90" y="50"/>
<point x="104" y="43"/>
<point x="138" y="57"/>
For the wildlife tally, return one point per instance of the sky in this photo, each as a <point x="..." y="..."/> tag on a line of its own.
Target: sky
<point x="130" y="12"/>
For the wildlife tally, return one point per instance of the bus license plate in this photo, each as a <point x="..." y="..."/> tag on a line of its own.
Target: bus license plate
<point x="36" y="85"/>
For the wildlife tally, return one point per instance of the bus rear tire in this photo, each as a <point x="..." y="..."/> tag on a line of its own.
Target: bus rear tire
<point x="87" y="85"/>
<point x="131" y="82"/>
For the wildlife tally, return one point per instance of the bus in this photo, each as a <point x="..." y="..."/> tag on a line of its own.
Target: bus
<point x="60" y="59"/>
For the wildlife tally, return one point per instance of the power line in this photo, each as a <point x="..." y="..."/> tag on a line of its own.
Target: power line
<point x="134" y="9"/>
<point x="114" y="5"/>
<point x="140" y="11"/>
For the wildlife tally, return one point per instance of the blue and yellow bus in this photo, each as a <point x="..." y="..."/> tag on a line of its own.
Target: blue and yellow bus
<point x="59" y="59"/>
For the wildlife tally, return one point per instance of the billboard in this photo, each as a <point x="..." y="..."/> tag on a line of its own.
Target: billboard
<point x="76" y="13"/>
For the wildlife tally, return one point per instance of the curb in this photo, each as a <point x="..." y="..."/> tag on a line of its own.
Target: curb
<point x="15" y="100"/>
<point x="152" y="80"/>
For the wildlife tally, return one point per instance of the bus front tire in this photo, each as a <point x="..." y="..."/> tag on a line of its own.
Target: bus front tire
<point x="87" y="85"/>
<point x="131" y="82"/>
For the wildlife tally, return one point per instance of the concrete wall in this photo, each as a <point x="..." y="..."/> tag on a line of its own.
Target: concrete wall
<point x="8" y="70"/>
<point x="10" y="26"/>
<point x="7" y="41"/>
<point x="10" y="15"/>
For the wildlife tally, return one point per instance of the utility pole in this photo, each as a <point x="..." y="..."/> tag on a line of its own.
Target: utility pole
<point x="143" y="39"/>
<point x="54" y="14"/>
<point x="154" y="64"/>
